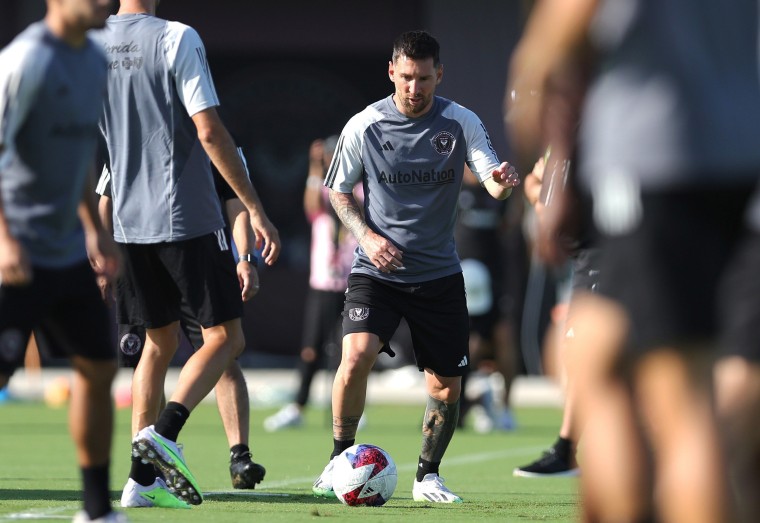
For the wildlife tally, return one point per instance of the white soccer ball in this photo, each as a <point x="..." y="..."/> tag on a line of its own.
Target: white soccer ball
<point x="364" y="475"/>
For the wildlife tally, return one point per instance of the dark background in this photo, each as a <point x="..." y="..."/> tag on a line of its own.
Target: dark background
<point x="290" y="71"/>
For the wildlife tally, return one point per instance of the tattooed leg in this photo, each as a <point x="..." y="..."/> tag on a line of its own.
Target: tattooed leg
<point x="344" y="433"/>
<point x="437" y="431"/>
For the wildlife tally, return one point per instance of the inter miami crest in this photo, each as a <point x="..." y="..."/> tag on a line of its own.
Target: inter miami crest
<point x="130" y="344"/>
<point x="443" y="142"/>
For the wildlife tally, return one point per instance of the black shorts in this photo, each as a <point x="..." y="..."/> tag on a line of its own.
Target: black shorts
<point x="321" y="323"/>
<point x="131" y="338"/>
<point x="66" y="312"/>
<point x="436" y="312"/>
<point x="666" y="272"/>
<point x="158" y="278"/>
<point x="739" y="302"/>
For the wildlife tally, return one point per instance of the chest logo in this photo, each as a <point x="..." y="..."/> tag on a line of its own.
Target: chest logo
<point x="443" y="142"/>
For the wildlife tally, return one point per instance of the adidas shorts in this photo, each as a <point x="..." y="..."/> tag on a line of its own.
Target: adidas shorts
<point x="436" y="312"/>
<point x="157" y="279"/>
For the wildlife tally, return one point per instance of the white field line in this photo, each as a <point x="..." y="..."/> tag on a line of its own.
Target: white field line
<point x="66" y="512"/>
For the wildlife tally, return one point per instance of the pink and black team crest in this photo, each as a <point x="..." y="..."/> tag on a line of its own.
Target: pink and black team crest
<point x="364" y="475"/>
<point x="443" y="142"/>
<point x="358" y="313"/>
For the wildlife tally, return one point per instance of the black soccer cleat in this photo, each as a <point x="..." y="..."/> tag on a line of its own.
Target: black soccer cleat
<point x="550" y="465"/>
<point x="245" y="474"/>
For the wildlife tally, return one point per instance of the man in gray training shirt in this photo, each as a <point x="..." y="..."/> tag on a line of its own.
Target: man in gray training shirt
<point x="52" y="83"/>
<point x="161" y="126"/>
<point x="409" y="151"/>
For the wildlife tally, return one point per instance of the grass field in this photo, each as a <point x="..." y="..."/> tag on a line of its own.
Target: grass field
<point x="39" y="479"/>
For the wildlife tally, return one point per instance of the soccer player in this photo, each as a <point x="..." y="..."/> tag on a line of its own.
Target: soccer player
<point x="231" y="390"/>
<point x="52" y="84"/>
<point x="409" y="151"/>
<point x="161" y="127"/>
<point x="668" y="152"/>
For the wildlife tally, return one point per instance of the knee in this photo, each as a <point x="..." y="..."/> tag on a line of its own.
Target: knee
<point x="448" y="390"/>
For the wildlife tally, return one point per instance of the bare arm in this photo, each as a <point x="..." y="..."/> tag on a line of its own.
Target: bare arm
<point x="381" y="251"/>
<point x="556" y="31"/>
<point x="502" y="179"/>
<point x="102" y="250"/>
<point x="312" y="195"/>
<point x="220" y="147"/>
<point x="245" y="240"/>
<point x="15" y="268"/>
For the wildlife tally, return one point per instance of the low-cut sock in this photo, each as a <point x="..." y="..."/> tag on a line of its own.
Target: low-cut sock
<point x="426" y="467"/>
<point x="341" y="445"/>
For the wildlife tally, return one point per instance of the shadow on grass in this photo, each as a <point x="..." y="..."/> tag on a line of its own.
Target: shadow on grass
<point x="41" y="495"/>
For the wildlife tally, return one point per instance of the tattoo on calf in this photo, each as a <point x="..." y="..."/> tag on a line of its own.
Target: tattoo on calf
<point x="438" y="428"/>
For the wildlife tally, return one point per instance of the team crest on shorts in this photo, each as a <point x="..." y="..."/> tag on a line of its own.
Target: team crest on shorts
<point x="12" y="344"/>
<point x="443" y="142"/>
<point x="130" y="344"/>
<point x="358" y="313"/>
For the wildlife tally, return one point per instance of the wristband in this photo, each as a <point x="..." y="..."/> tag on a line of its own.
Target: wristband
<point x="250" y="258"/>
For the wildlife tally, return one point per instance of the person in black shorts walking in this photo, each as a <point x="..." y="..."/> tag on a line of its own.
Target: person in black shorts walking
<point x="161" y="127"/>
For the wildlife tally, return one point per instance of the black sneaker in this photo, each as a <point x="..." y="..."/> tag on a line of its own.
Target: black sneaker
<point x="549" y="465"/>
<point x="245" y="474"/>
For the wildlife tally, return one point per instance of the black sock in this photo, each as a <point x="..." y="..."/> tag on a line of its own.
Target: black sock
<point x="340" y="446"/>
<point x="564" y="448"/>
<point x="240" y="452"/>
<point x="143" y="473"/>
<point x="171" y="420"/>
<point x="97" y="498"/>
<point x="426" y="467"/>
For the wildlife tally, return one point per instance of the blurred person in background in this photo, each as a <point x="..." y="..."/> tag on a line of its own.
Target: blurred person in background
<point x="667" y="150"/>
<point x="332" y="253"/>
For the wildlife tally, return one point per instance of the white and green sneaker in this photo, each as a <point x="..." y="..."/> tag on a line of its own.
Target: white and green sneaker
<point x="156" y="494"/>
<point x="432" y="489"/>
<point x="323" y="486"/>
<point x="166" y="455"/>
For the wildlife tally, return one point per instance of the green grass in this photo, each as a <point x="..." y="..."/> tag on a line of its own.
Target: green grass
<point x="39" y="479"/>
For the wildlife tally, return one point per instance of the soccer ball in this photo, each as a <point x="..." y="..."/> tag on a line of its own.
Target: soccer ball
<point x="364" y="475"/>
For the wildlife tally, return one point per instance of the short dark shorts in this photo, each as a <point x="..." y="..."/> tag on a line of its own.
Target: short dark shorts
<point x="667" y="271"/>
<point x="436" y="312"/>
<point x="739" y="302"/>
<point x="157" y="278"/>
<point x="66" y="312"/>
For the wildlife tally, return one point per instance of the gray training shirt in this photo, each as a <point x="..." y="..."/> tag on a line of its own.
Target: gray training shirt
<point x="412" y="171"/>
<point x="158" y="78"/>
<point x="50" y="100"/>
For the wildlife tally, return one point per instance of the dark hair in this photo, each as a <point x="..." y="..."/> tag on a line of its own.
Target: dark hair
<point x="417" y="45"/>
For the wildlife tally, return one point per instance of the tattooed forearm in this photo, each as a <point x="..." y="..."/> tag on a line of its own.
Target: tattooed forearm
<point x="349" y="213"/>
<point x="345" y="427"/>
<point x="438" y="428"/>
